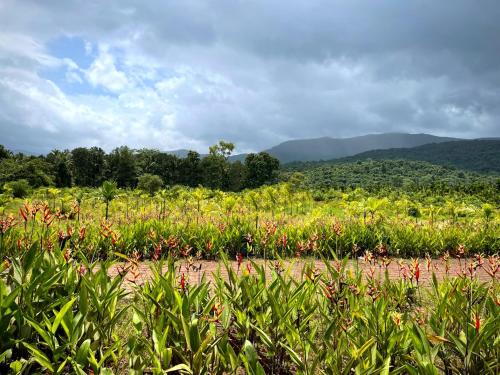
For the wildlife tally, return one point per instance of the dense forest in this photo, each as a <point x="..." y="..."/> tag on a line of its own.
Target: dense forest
<point x="479" y="155"/>
<point x="374" y="175"/>
<point x="89" y="167"/>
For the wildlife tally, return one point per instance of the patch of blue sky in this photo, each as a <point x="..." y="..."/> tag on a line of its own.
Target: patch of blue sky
<point x="72" y="81"/>
<point x="75" y="48"/>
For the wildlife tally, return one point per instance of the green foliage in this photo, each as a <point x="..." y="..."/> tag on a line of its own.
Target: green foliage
<point x="33" y="169"/>
<point x="18" y="189"/>
<point x="108" y="192"/>
<point x="121" y="167"/>
<point x="475" y="155"/>
<point x="260" y="169"/>
<point x="61" y="314"/>
<point x="399" y="175"/>
<point x="88" y="166"/>
<point x="150" y="183"/>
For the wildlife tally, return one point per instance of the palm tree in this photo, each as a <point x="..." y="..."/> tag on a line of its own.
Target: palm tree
<point x="198" y="195"/>
<point x="108" y="192"/>
<point x="53" y="193"/>
<point x="272" y="198"/>
<point x="79" y="195"/>
<point x="254" y="199"/>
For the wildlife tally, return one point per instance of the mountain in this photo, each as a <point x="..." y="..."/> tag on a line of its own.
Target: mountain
<point x="478" y="155"/>
<point x="327" y="148"/>
<point x="181" y="153"/>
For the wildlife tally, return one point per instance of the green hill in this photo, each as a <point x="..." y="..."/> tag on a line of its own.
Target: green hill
<point x="327" y="148"/>
<point x="474" y="155"/>
<point x="405" y="174"/>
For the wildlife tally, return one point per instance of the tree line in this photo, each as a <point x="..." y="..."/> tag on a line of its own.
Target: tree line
<point x="90" y="167"/>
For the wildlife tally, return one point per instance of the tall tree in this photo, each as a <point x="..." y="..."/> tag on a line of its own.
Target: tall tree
<point x="87" y="166"/>
<point x="121" y="167"/>
<point x="60" y="161"/>
<point x="215" y="166"/>
<point x="4" y="153"/>
<point x="190" y="171"/>
<point x="260" y="168"/>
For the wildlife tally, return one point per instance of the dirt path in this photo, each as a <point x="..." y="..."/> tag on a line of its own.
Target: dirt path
<point x="396" y="268"/>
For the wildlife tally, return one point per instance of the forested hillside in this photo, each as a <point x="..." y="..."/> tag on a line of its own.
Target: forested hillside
<point x="393" y="174"/>
<point x="474" y="155"/>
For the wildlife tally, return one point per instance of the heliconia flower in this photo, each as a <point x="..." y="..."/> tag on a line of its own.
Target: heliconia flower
<point x="81" y="233"/>
<point x="330" y="291"/>
<point x="239" y="259"/>
<point x="185" y="250"/>
<point x="382" y="249"/>
<point x="82" y="270"/>
<point x="396" y="318"/>
<point x="284" y="240"/>
<point x="278" y="267"/>
<point x="19" y="244"/>
<point x="23" y="214"/>
<point x="477" y="321"/>
<point x="337" y="228"/>
<point x="114" y="238"/>
<point x="428" y="262"/>
<point x="182" y="282"/>
<point x="416" y="269"/>
<point x="67" y="255"/>
<point x="460" y="252"/>
<point x="157" y="251"/>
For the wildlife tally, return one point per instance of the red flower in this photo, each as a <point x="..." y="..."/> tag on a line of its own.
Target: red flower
<point x="239" y="259"/>
<point x="416" y="269"/>
<point x="23" y="214"/>
<point x="477" y="322"/>
<point x="182" y="282"/>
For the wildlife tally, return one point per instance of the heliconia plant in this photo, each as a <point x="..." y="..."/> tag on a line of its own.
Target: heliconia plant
<point x="75" y="298"/>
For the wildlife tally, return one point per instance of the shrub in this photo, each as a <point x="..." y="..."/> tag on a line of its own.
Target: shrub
<point x="150" y="183"/>
<point x="19" y="188"/>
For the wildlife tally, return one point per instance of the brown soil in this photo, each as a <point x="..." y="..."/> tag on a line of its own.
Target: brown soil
<point x="295" y="267"/>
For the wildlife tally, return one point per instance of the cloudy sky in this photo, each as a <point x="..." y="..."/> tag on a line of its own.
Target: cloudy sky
<point x="183" y="74"/>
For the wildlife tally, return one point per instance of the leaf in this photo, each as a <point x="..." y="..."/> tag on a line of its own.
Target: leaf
<point x="267" y="340"/>
<point x="60" y="315"/>
<point x="82" y="353"/>
<point x="38" y="356"/>
<point x="294" y="356"/>
<point x="182" y="368"/>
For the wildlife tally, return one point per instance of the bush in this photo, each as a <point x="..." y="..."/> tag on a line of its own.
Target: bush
<point x="19" y="188"/>
<point x="150" y="183"/>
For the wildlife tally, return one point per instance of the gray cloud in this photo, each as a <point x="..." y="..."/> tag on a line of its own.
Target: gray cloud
<point x="172" y="74"/>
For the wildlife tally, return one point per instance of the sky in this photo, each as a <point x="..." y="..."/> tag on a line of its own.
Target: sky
<point x="177" y="74"/>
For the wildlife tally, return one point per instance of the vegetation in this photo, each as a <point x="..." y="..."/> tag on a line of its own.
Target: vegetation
<point x="400" y="175"/>
<point x="89" y="167"/>
<point x="281" y="220"/>
<point x="60" y="313"/>
<point x="481" y="156"/>
<point x="74" y="297"/>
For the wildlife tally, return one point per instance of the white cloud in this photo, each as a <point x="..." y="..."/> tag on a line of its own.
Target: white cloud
<point x="103" y="72"/>
<point x="185" y="74"/>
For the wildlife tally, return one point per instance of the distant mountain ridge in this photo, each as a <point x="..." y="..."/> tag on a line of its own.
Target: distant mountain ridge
<point x="327" y="148"/>
<point x="480" y="155"/>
